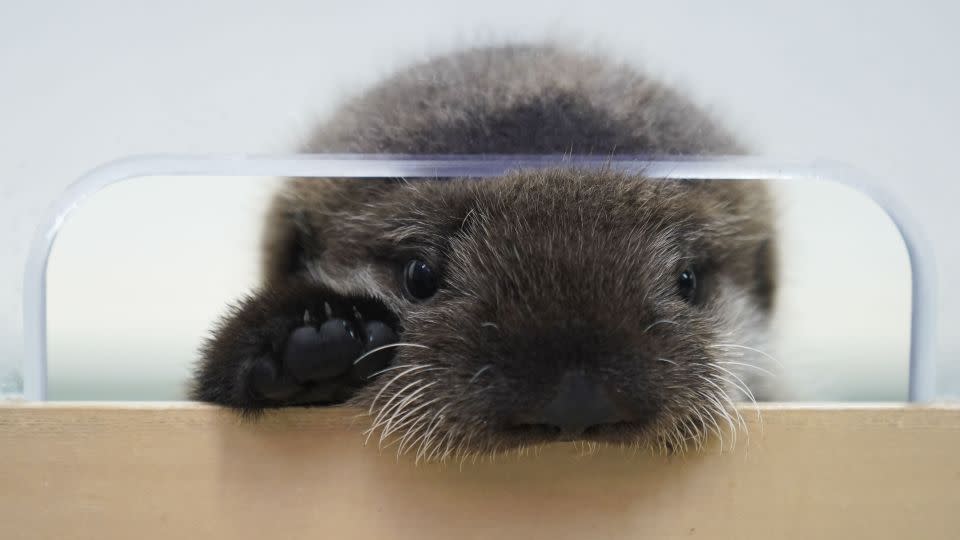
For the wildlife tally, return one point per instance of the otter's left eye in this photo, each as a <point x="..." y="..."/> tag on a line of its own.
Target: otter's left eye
<point x="420" y="280"/>
<point x="687" y="284"/>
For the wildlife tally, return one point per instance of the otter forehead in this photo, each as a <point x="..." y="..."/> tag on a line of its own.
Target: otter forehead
<point x="556" y="228"/>
<point x="558" y="233"/>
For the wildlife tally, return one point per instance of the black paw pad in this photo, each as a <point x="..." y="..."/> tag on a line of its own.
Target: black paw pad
<point x="266" y="382"/>
<point x="322" y="353"/>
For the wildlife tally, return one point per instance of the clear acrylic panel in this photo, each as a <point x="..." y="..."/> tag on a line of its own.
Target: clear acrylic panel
<point x="143" y="268"/>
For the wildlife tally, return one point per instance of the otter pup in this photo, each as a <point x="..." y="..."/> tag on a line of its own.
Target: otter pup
<point x="477" y="315"/>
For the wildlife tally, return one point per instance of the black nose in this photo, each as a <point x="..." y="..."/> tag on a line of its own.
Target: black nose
<point x="579" y="404"/>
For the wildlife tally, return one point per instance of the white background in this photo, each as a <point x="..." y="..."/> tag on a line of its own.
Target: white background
<point x="872" y="84"/>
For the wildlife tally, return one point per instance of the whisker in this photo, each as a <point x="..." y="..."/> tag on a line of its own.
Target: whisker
<point x="431" y="428"/>
<point x="756" y="407"/>
<point x="745" y="388"/>
<point x="397" y="408"/>
<point x="387" y="429"/>
<point x="429" y="367"/>
<point x="736" y="346"/>
<point x="448" y="448"/>
<point x="441" y="449"/>
<point x="391" y="368"/>
<point x="388" y="346"/>
<point x="744" y="364"/>
<point x="479" y="372"/>
<point x="386" y="406"/>
<point x="716" y="426"/>
<point x="661" y="321"/>
<point x="411" y="432"/>
<point x="382" y="415"/>
<point x="721" y="410"/>
<point x="733" y="407"/>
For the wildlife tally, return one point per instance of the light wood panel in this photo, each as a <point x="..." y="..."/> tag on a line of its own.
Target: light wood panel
<point x="190" y="471"/>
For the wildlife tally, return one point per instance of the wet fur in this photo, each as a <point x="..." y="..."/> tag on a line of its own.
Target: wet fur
<point x="544" y="271"/>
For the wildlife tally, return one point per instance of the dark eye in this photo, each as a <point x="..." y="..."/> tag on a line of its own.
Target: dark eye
<point x="687" y="284"/>
<point x="420" y="280"/>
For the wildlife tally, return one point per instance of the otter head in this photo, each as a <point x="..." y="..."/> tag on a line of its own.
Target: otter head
<point x="544" y="306"/>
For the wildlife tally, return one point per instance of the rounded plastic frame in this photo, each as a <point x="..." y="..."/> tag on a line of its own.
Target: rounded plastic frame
<point x="922" y="386"/>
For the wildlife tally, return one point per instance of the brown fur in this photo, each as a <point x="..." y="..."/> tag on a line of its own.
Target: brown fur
<point x="543" y="271"/>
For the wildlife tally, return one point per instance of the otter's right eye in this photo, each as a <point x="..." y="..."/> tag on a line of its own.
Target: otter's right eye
<point x="687" y="285"/>
<point x="420" y="280"/>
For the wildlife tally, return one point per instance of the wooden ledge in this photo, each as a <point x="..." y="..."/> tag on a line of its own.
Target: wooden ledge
<point x="182" y="470"/>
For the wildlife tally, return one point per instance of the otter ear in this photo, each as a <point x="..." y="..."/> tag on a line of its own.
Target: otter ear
<point x="299" y="218"/>
<point x="765" y="272"/>
<point x="289" y="241"/>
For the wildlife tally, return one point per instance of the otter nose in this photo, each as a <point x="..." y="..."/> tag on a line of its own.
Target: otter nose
<point x="580" y="403"/>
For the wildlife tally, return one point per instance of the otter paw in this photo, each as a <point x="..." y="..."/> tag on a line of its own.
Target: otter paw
<point x="294" y="343"/>
<point x="322" y="363"/>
